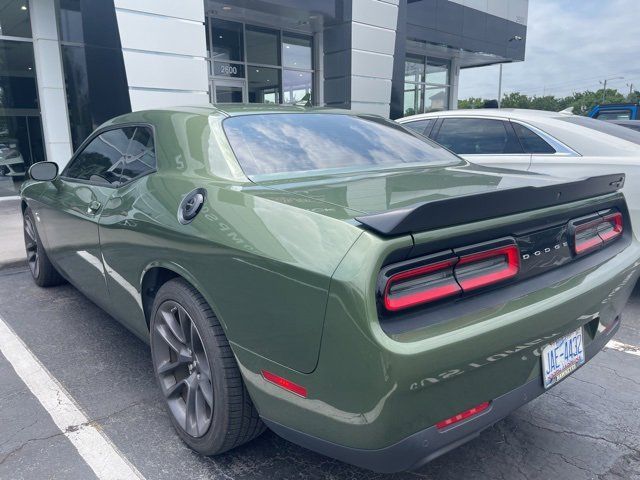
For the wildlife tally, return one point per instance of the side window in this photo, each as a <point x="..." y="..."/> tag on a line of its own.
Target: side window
<point x="101" y="159"/>
<point x="477" y="136"/>
<point x="140" y="157"/>
<point x="531" y="141"/>
<point x="423" y="127"/>
<point x="614" y="115"/>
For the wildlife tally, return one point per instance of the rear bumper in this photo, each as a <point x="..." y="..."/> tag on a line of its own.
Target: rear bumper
<point x="420" y="448"/>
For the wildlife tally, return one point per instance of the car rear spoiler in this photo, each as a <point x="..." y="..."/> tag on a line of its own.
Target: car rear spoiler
<point x="498" y="203"/>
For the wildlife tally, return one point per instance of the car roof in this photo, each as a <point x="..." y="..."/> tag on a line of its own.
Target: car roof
<point x="563" y="126"/>
<point x="517" y="113"/>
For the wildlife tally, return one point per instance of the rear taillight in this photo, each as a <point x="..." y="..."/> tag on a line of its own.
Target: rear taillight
<point x="445" y="275"/>
<point x="592" y="232"/>
<point x="611" y="227"/>
<point x="481" y="269"/>
<point x="423" y="284"/>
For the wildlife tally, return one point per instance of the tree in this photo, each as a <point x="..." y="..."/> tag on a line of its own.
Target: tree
<point x="581" y="102"/>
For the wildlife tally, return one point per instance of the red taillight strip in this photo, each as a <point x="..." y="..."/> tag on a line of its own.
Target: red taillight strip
<point x="511" y="269"/>
<point x="462" y="416"/>
<point x="597" y="237"/>
<point x="284" y="383"/>
<point x="430" y="295"/>
<point x="616" y="218"/>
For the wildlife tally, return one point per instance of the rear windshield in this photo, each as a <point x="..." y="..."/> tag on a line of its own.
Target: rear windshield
<point x="281" y="143"/>
<point x="605" y="127"/>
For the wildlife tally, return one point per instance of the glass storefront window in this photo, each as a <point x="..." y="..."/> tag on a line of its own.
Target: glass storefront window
<point x="21" y="142"/>
<point x="437" y="72"/>
<point x="413" y="99"/>
<point x="227" y="41"/>
<point x="75" y="67"/>
<point x="436" y="98"/>
<point x="426" y="84"/>
<point x="251" y="64"/>
<point x="14" y="18"/>
<point x="297" y="51"/>
<point x="70" y="21"/>
<point x="264" y="85"/>
<point x="414" y="68"/>
<point x="297" y="87"/>
<point x="263" y="45"/>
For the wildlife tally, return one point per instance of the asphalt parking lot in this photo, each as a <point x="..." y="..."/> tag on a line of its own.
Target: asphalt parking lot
<point x="586" y="427"/>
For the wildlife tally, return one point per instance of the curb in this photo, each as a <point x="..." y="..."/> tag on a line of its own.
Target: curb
<point x="13" y="263"/>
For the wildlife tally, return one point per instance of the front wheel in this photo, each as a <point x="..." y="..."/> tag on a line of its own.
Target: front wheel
<point x="208" y="403"/>
<point x="42" y="271"/>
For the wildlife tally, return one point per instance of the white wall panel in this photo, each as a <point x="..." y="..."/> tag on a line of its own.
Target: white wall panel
<point x="190" y="10"/>
<point x="375" y="12"/>
<point x="53" y="102"/>
<point x="164" y="50"/>
<point x="372" y="39"/>
<point x="150" y="99"/>
<point x="161" y="34"/>
<point x="366" y="88"/>
<point x="150" y="70"/>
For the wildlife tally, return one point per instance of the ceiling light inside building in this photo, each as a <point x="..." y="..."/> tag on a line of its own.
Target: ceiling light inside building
<point x="226" y="7"/>
<point x="23" y="7"/>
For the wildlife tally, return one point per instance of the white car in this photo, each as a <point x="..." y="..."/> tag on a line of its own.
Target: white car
<point x="553" y="143"/>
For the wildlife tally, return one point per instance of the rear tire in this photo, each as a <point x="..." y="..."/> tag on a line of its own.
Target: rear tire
<point x="196" y="370"/>
<point x="42" y="271"/>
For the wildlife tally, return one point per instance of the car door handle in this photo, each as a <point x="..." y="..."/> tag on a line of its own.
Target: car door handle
<point x="93" y="207"/>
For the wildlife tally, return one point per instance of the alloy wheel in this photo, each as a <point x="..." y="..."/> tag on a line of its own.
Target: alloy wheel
<point x="31" y="245"/>
<point x="182" y="367"/>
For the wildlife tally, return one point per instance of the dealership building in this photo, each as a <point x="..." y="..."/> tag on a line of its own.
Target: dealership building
<point x="66" y="66"/>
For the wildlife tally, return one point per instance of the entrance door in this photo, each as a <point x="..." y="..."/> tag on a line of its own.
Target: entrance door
<point x="229" y="91"/>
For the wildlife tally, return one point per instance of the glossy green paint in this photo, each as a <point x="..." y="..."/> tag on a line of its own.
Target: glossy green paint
<point x="292" y="277"/>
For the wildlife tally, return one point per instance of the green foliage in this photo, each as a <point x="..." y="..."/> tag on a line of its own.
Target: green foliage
<point x="581" y="102"/>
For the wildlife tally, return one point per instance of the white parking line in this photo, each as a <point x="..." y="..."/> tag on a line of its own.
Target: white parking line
<point x="623" y="347"/>
<point x="96" y="449"/>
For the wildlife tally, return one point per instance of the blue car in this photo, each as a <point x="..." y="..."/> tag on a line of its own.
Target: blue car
<point x="616" y="111"/>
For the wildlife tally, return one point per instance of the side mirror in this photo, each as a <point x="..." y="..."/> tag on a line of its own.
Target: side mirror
<point x="43" y="171"/>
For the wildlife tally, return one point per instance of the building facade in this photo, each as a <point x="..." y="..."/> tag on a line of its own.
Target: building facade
<point x="66" y="66"/>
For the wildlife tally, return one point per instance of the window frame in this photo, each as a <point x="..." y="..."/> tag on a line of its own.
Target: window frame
<point x="95" y="135"/>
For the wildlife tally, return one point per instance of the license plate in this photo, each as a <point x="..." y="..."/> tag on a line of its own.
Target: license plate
<point x="562" y="357"/>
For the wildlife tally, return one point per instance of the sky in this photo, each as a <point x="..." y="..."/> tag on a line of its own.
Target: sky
<point x="571" y="46"/>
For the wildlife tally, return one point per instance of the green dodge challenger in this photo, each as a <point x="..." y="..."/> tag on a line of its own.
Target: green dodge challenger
<point x="352" y="286"/>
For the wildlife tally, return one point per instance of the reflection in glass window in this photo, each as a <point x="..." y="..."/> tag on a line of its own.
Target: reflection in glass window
<point x="420" y="126"/>
<point x="476" y="136"/>
<point x="228" y="94"/>
<point x="70" y="21"/>
<point x="297" y="51"/>
<point x="263" y="45"/>
<point x="297" y="87"/>
<point x="226" y="40"/>
<point x="20" y="127"/>
<point x="426" y="84"/>
<point x="414" y="68"/>
<point x="436" y="99"/>
<point x="437" y="72"/>
<point x="14" y="18"/>
<point x="140" y="158"/>
<point x="101" y="158"/>
<point x="75" y="68"/>
<point x="413" y="99"/>
<point x="278" y="143"/>
<point x="531" y="142"/>
<point x="264" y="85"/>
